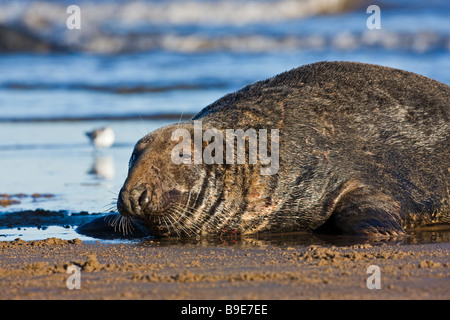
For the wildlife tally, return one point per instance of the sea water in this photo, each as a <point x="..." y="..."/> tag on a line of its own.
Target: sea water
<point x="133" y="62"/>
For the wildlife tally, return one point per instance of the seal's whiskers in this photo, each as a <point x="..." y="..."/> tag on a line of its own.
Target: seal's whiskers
<point x="196" y="213"/>
<point x="121" y="224"/>
<point x="193" y="227"/>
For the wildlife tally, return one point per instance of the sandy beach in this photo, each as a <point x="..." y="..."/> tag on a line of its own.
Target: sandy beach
<point x="136" y="66"/>
<point x="250" y="269"/>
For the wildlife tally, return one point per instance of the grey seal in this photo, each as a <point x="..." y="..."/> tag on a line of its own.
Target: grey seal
<point x="363" y="149"/>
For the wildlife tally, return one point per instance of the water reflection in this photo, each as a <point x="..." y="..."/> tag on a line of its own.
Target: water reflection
<point x="439" y="234"/>
<point x="103" y="167"/>
<point x="99" y="228"/>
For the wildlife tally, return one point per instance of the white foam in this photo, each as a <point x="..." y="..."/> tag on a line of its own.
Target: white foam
<point x="236" y="12"/>
<point x="136" y="26"/>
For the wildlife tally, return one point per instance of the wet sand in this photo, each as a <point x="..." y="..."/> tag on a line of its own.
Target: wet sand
<point x="234" y="269"/>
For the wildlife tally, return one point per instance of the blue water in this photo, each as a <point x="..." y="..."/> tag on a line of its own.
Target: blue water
<point x="127" y="65"/>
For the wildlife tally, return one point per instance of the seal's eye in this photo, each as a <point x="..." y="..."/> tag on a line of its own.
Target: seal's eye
<point x="130" y="164"/>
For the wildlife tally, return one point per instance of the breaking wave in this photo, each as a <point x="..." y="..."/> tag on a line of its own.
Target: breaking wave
<point x="179" y="12"/>
<point x="193" y="26"/>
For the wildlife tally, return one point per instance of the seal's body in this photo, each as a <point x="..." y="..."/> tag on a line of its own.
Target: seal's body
<point x="363" y="149"/>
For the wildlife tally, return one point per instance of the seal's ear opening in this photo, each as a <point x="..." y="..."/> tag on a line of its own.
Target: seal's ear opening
<point x="103" y="228"/>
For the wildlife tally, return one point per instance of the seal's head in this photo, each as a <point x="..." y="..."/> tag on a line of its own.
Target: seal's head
<point x="179" y="185"/>
<point x="158" y="189"/>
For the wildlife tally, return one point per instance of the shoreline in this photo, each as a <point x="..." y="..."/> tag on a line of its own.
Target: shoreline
<point x="93" y="226"/>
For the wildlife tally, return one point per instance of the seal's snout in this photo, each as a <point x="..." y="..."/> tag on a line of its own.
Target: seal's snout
<point x="123" y="203"/>
<point x="138" y="198"/>
<point x="144" y="199"/>
<point x="133" y="202"/>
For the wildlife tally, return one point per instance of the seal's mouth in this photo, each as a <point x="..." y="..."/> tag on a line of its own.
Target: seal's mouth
<point x="146" y="204"/>
<point x="129" y="208"/>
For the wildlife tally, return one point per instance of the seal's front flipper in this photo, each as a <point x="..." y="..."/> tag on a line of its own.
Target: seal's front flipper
<point x="106" y="228"/>
<point x="366" y="212"/>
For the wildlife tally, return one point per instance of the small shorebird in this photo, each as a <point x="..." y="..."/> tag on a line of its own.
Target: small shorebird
<point x="102" y="138"/>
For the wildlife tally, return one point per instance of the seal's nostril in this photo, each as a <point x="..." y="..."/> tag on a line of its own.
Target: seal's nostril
<point x="144" y="199"/>
<point x="123" y="203"/>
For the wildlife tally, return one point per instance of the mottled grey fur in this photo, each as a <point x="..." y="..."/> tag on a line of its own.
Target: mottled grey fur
<point x="376" y="138"/>
<point x="364" y="149"/>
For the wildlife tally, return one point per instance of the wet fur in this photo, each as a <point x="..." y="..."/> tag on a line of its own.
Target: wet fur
<point x="364" y="149"/>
